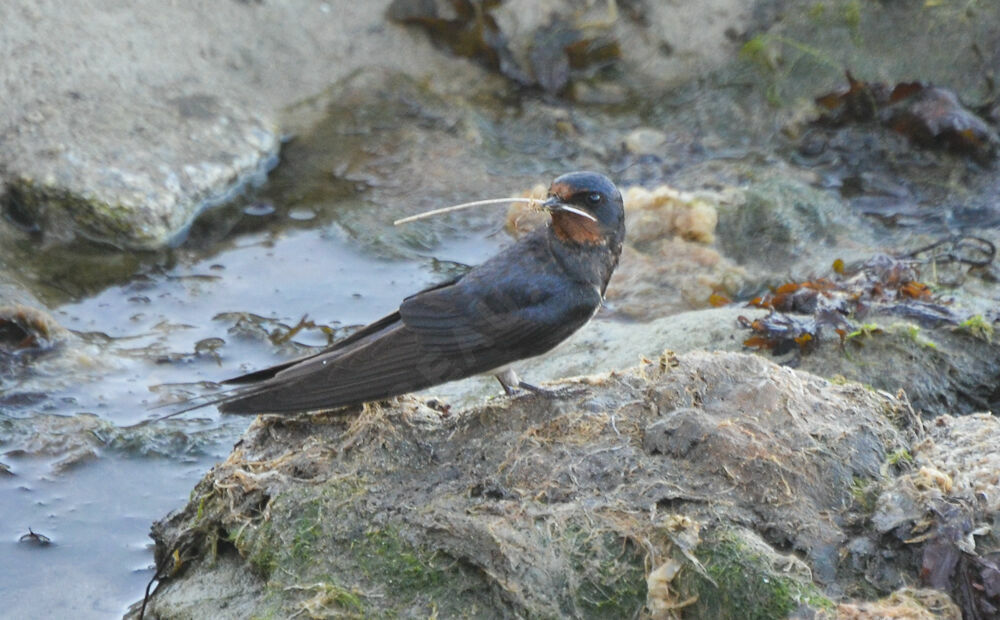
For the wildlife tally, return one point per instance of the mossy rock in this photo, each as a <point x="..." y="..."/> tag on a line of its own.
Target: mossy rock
<point x="744" y="578"/>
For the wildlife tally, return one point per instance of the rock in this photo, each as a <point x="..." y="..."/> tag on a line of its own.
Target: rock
<point x="25" y="328"/>
<point x="940" y="369"/>
<point x="872" y="41"/>
<point x="672" y="276"/>
<point x="552" y="506"/>
<point x="125" y="138"/>
<point x="12" y="291"/>
<point x="745" y="576"/>
<point x="943" y="512"/>
<point x="561" y="46"/>
<point x="783" y="221"/>
<point x="645" y="141"/>
<point x="395" y="133"/>
<point x="207" y="151"/>
<point x="930" y="116"/>
<point x="39" y="358"/>
<point x="229" y="592"/>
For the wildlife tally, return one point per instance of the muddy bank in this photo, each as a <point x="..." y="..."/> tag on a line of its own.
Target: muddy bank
<point x="681" y="484"/>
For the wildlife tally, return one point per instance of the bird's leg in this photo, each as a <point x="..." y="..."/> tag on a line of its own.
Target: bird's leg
<point x="508" y="380"/>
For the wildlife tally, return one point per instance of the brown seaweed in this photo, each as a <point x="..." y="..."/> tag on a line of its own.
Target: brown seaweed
<point x="930" y="116"/>
<point x="884" y="284"/>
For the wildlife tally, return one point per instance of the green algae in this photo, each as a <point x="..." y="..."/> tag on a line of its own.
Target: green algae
<point x="741" y="582"/>
<point x="612" y="582"/>
<point x="978" y="327"/>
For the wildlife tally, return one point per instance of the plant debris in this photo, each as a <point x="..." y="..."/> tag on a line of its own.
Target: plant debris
<point x="884" y="284"/>
<point x="908" y="603"/>
<point x="949" y="562"/>
<point x="781" y="333"/>
<point x="23" y="328"/>
<point x="25" y="334"/>
<point x="279" y="333"/>
<point x="930" y="116"/>
<point x="34" y="538"/>
<point x="943" y="512"/>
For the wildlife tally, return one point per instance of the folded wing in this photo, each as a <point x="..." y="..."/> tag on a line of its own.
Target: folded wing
<point x="441" y="334"/>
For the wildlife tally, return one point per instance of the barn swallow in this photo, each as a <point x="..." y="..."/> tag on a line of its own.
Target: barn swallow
<point x="521" y="303"/>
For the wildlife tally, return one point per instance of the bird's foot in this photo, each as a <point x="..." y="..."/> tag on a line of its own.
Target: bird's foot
<point x="511" y="383"/>
<point x="546" y="392"/>
<point x="565" y="391"/>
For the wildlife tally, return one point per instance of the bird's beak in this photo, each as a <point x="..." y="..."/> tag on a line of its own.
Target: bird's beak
<point x="553" y="204"/>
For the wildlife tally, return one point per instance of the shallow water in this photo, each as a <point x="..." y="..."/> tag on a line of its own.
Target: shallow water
<point x="98" y="516"/>
<point x="94" y="488"/>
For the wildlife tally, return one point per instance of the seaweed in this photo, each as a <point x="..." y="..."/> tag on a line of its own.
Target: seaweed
<point x="884" y="284"/>
<point x="929" y="116"/>
<point x="949" y="565"/>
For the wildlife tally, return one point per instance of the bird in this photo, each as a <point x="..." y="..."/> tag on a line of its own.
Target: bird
<point x="518" y="304"/>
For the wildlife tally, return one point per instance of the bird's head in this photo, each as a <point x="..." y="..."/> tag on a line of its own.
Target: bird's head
<point x="586" y="209"/>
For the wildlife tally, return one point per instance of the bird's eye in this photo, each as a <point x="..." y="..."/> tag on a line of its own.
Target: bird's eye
<point x="594" y="198"/>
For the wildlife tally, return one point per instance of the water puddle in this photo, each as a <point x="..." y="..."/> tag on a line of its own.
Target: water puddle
<point x="97" y="517"/>
<point x="80" y="476"/>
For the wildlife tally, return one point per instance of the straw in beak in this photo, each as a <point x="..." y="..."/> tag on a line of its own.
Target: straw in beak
<point x="554" y="204"/>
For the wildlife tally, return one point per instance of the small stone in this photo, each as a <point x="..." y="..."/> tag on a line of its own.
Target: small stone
<point x="301" y="214"/>
<point x="259" y="209"/>
<point x="645" y="141"/>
